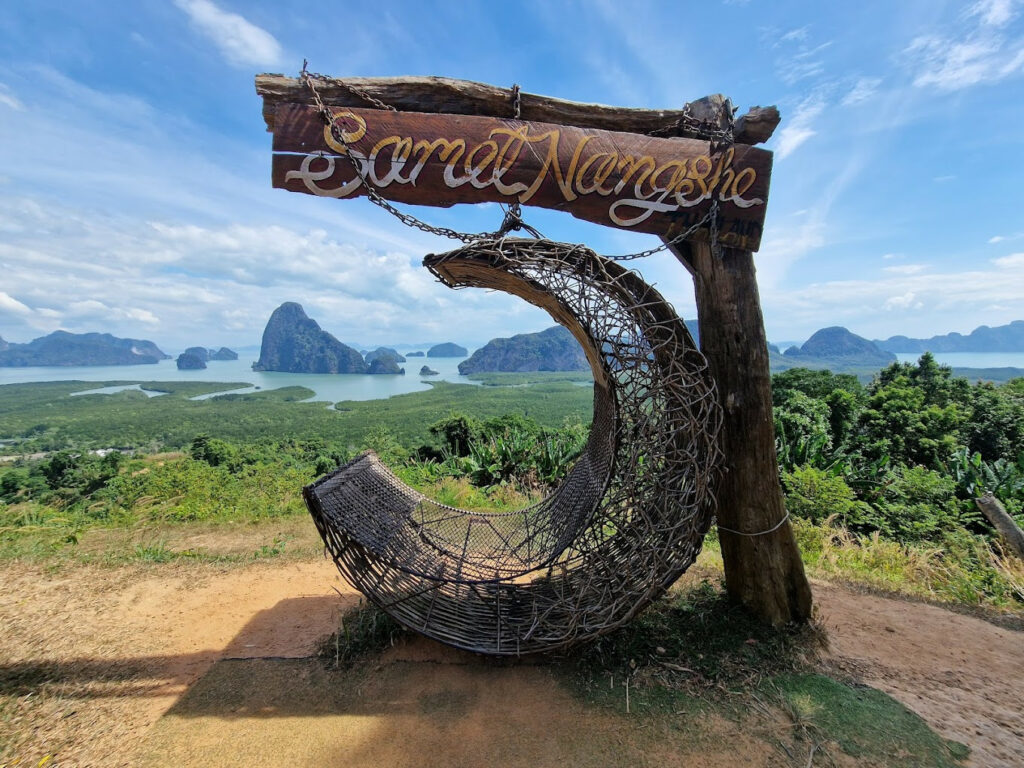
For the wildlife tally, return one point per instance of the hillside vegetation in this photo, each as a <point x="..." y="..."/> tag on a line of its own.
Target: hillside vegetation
<point x="880" y="479"/>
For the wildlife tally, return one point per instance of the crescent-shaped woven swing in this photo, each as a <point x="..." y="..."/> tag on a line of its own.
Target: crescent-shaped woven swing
<point x="629" y="518"/>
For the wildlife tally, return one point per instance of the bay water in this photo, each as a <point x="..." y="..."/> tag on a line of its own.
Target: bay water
<point x="327" y="387"/>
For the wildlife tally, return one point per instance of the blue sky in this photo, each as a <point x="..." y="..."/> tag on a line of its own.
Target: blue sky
<point x="135" y="189"/>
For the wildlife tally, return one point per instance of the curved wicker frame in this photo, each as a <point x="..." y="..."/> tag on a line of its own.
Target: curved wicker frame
<point x="626" y="523"/>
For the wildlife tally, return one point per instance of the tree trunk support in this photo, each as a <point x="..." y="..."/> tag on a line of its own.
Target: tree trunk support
<point x="763" y="571"/>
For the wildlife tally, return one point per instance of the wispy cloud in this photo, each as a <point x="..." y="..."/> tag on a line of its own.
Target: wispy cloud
<point x="911" y="302"/>
<point x="995" y="239"/>
<point x="240" y="41"/>
<point x="908" y="300"/>
<point x="1011" y="261"/>
<point x="9" y="304"/>
<point x="994" y="13"/>
<point x="800" y="126"/>
<point x="981" y="52"/>
<point x="794" y="35"/>
<point x="863" y="89"/>
<point x="8" y="99"/>
<point x="906" y="269"/>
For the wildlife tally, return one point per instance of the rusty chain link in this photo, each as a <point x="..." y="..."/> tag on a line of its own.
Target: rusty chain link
<point x="513" y="220"/>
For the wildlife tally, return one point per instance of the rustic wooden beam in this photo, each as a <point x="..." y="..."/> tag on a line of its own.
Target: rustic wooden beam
<point x="1000" y="519"/>
<point x="638" y="183"/>
<point x="446" y="95"/>
<point x="763" y="568"/>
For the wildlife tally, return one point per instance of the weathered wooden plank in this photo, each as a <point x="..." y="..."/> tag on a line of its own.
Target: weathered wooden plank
<point x="1000" y="519"/>
<point x="763" y="569"/>
<point x="463" y="97"/>
<point x="629" y="181"/>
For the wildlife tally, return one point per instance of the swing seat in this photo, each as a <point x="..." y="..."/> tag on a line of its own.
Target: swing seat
<point x="626" y="521"/>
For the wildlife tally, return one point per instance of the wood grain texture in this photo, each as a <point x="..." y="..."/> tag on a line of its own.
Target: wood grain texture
<point x="633" y="182"/>
<point x="1000" y="519"/>
<point x="763" y="572"/>
<point x="464" y="97"/>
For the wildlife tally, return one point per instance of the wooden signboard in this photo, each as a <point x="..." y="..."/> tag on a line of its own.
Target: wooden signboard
<point x="641" y="183"/>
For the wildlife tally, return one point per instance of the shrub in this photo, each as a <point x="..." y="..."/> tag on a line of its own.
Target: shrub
<point x="817" y="496"/>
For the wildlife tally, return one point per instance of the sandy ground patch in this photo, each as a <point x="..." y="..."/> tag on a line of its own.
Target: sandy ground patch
<point x="194" y="664"/>
<point x="963" y="675"/>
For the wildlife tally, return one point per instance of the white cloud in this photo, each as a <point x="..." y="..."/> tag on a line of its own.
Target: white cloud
<point x="8" y="99"/>
<point x="181" y="283"/>
<point x="863" y="89"/>
<point x="980" y="52"/>
<point x="1003" y="238"/>
<point x="798" y="34"/>
<point x="993" y="13"/>
<point x="805" y="64"/>
<point x="907" y="301"/>
<point x="906" y="269"/>
<point x="241" y="42"/>
<point x="800" y="127"/>
<point x="10" y="304"/>
<point x="915" y="304"/>
<point x="1011" y="261"/>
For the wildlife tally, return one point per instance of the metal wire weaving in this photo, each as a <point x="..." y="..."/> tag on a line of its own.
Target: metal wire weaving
<point x="624" y="525"/>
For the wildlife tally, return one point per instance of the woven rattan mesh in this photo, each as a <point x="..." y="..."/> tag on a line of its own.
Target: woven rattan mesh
<point x="627" y="521"/>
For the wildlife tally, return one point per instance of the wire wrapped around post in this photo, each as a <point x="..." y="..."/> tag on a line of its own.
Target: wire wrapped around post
<point x="628" y="520"/>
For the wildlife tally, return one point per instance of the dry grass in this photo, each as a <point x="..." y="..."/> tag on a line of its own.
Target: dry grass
<point x="966" y="570"/>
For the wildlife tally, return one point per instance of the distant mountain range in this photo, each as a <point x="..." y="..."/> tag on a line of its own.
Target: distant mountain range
<point x="61" y="348"/>
<point x="295" y="343"/>
<point x="1002" y="338"/>
<point x="836" y="344"/>
<point x="554" y="349"/>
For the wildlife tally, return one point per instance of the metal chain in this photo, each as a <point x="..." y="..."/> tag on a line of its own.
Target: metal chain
<point x="710" y="217"/>
<point x="718" y="138"/>
<point x="513" y="215"/>
<point x="371" y="192"/>
<point x="703" y="129"/>
<point x="358" y="92"/>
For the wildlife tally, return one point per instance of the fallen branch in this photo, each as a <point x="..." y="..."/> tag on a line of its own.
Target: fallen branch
<point x="1000" y="519"/>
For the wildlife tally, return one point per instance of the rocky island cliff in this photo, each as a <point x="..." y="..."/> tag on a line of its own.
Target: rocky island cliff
<point x="447" y="349"/>
<point x="62" y="348"/>
<point x="554" y="349"/>
<point x="837" y="344"/>
<point x="295" y="343"/>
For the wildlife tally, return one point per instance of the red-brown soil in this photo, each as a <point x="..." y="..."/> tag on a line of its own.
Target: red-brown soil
<point x="136" y="656"/>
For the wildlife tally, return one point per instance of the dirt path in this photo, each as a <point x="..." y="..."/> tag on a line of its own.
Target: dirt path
<point x="963" y="675"/>
<point x="121" y="647"/>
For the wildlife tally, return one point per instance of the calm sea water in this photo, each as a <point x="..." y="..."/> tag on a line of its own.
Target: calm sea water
<point x="328" y="387"/>
<point x="333" y="388"/>
<point x="970" y="359"/>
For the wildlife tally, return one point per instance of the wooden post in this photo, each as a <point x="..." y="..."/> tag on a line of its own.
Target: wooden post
<point x="763" y="572"/>
<point x="1007" y="527"/>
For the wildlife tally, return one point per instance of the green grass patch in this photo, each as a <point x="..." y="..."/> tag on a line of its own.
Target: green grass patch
<point x="691" y="641"/>
<point x="365" y="631"/>
<point x="519" y="379"/>
<point x="866" y="723"/>
<point x="42" y="416"/>
<point x="693" y="655"/>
